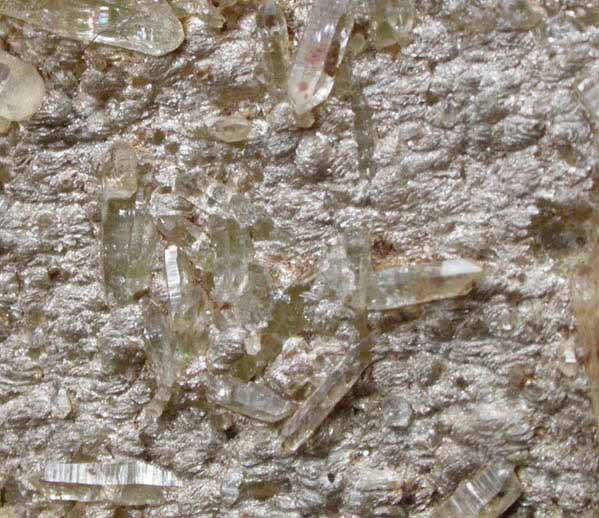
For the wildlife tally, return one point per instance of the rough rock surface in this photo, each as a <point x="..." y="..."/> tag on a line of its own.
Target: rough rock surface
<point x="462" y="144"/>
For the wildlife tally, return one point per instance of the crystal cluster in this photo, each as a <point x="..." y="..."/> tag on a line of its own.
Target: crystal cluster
<point x="147" y="26"/>
<point x="21" y="88"/>
<point x="392" y="22"/>
<point x="320" y="53"/>
<point x="124" y="483"/>
<point x="488" y="494"/>
<point x="128" y="233"/>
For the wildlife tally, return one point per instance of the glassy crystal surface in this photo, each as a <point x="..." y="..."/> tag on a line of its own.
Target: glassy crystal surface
<point x="21" y="88"/>
<point x="124" y="483"/>
<point x="398" y="287"/>
<point x="487" y="495"/>
<point x="392" y="22"/>
<point x="128" y="234"/>
<point x="231" y="129"/>
<point x="314" y="410"/>
<point x="147" y="26"/>
<point x="272" y="26"/>
<point x="250" y="399"/>
<point x="320" y="53"/>
<point x="588" y="91"/>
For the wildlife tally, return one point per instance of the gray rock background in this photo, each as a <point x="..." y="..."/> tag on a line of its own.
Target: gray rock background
<point x="462" y="144"/>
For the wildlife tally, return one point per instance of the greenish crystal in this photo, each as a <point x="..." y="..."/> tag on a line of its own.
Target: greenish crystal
<point x="146" y="26"/>
<point x="392" y="22"/>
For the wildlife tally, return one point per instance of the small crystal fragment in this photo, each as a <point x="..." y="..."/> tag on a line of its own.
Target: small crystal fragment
<point x="314" y="410"/>
<point x="392" y="22"/>
<point x="275" y="43"/>
<point x="21" y="88"/>
<point x="588" y="91"/>
<point x="124" y="483"/>
<point x="399" y="287"/>
<point x="487" y="495"/>
<point x="397" y="413"/>
<point x="249" y="399"/>
<point x="147" y="26"/>
<point x="231" y="129"/>
<point x="320" y="53"/>
<point x="128" y="233"/>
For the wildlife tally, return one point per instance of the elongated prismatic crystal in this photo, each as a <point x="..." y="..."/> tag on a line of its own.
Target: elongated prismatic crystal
<point x="487" y="495"/>
<point x="314" y="410"/>
<point x="250" y="399"/>
<point x="123" y="483"/>
<point x="398" y="287"/>
<point x="21" y="88"/>
<point x="272" y="27"/>
<point x="320" y="53"/>
<point x="147" y="26"/>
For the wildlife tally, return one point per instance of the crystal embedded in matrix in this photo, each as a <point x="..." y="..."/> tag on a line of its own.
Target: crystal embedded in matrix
<point x="146" y="26"/>
<point x="488" y="494"/>
<point x="320" y="53"/>
<point x="21" y="88"/>
<point x="392" y="22"/>
<point x="272" y="27"/>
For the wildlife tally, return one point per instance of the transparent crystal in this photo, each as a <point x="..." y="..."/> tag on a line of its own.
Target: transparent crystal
<point x="320" y="53"/>
<point x="21" y="88"/>
<point x="249" y="399"/>
<point x="128" y="234"/>
<point x="123" y="483"/>
<point x="399" y="287"/>
<point x="147" y="26"/>
<point x="392" y="22"/>
<point x="272" y="27"/>
<point x="314" y="410"/>
<point x="486" y="495"/>
<point x="231" y="129"/>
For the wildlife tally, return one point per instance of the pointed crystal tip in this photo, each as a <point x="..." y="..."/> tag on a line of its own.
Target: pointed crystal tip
<point x="455" y="267"/>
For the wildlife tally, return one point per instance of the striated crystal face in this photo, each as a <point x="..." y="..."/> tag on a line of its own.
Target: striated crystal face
<point x="488" y="494"/>
<point x="147" y="26"/>
<point x="123" y="483"/>
<point x="272" y="27"/>
<point x="21" y="88"/>
<point x="320" y="53"/>
<point x="392" y="22"/>
<point x="314" y="410"/>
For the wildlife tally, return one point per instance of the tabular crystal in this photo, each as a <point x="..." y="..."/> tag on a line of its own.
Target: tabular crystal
<point x="275" y="43"/>
<point x="314" y="410"/>
<point x="231" y="129"/>
<point x="147" y="26"/>
<point x="392" y="22"/>
<point x="128" y="234"/>
<point x="250" y="399"/>
<point x="123" y="483"/>
<point x="320" y="53"/>
<point x="21" y="88"/>
<point x="487" y="495"/>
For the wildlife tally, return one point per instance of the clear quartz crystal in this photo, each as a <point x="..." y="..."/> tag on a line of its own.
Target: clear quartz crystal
<point x="320" y="53"/>
<point x="314" y="410"/>
<point x="123" y="483"/>
<point x="147" y="26"/>
<point x="486" y="495"/>
<point x="392" y="22"/>
<point x="128" y="234"/>
<point x="407" y="286"/>
<point x="272" y="27"/>
<point x="249" y="399"/>
<point x="21" y="88"/>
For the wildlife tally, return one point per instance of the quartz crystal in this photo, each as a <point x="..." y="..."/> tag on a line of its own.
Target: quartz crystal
<point x="392" y="22"/>
<point x="231" y="129"/>
<point x="124" y="483"/>
<point x="320" y="53"/>
<point x="314" y="410"/>
<point x="272" y="27"/>
<point x="147" y="26"/>
<point x="398" y="287"/>
<point x="250" y="399"/>
<point x="128" y="233"/>
<point x="487" y="495"/>
<point x="21" y="88"/>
